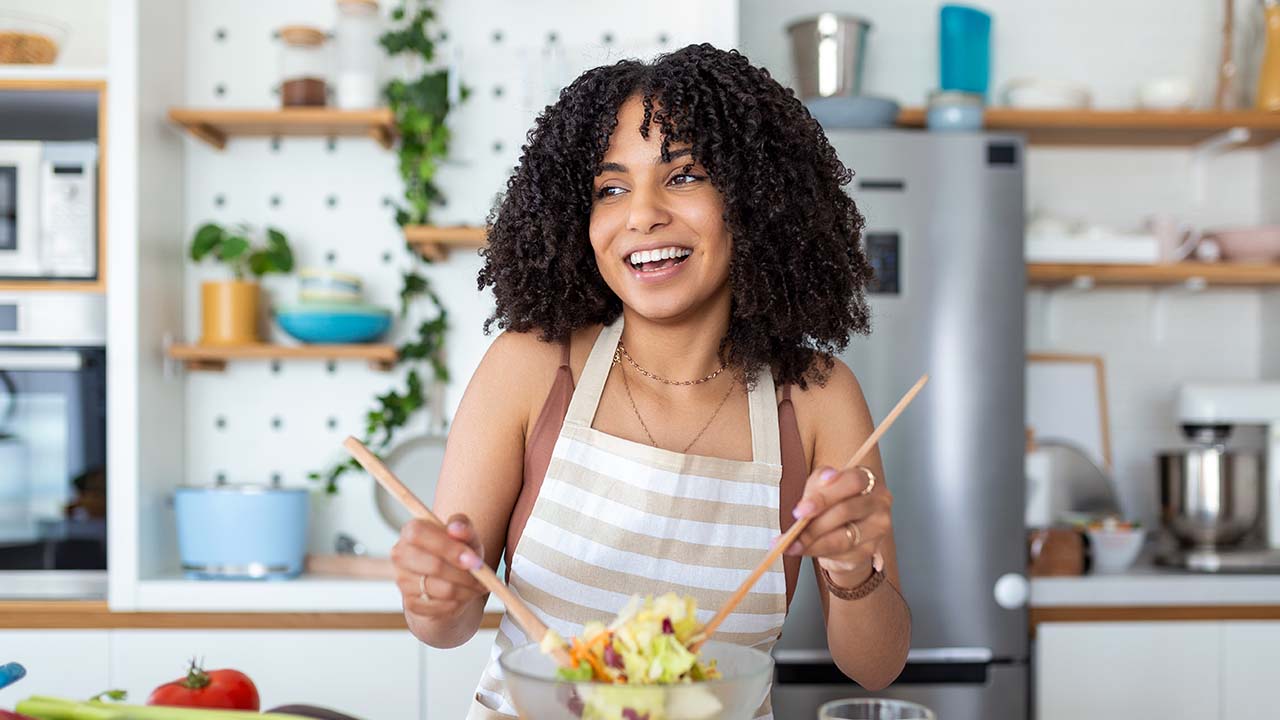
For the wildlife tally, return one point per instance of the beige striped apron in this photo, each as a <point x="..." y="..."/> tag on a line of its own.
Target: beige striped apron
<point x="615" y="517"/>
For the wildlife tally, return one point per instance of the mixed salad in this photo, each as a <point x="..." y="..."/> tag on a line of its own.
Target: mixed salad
<point x="647" y="644"/>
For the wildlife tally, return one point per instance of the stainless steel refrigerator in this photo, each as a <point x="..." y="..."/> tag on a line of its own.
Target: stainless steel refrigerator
<point x="944" y="232"/>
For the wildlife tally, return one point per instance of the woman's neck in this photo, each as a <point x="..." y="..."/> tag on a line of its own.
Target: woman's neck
<point x="678" y="349"/>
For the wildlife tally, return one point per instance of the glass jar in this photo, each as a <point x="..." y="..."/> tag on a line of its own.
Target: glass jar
<point x="359" y="54"/>
<point x="952" y="110"/>
<point x="303" y="66"/>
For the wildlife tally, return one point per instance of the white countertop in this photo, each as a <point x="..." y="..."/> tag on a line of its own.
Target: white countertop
<point x="305" y="594"/>
<point x="1147" y="585"/>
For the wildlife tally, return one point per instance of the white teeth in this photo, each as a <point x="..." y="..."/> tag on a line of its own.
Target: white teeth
<point x="644" y="256"/>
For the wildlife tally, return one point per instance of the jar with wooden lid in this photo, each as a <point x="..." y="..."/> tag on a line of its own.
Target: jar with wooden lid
<point x="304" y="66"/>
<point x="358" y="53"/>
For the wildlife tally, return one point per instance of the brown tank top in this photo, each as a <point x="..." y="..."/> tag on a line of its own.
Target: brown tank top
<point x="537" y="456"/>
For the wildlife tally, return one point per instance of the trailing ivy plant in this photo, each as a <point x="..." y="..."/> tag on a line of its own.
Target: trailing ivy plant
<point x="420" y="106"/>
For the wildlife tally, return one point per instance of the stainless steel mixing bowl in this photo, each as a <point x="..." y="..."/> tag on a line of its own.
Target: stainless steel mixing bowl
<point x="1210" y="496"/>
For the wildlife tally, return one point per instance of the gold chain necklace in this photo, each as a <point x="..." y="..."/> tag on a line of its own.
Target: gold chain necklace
<point x="627" y="385"/>
<point x="622" y="350"/>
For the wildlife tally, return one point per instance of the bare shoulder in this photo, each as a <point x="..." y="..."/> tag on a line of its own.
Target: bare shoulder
<point x="833" y="413"/>
<point x="516" y="367"/>
<point x="838" y="395"/>
<point x="522" y="367"/>
<point x="523" y="353"/>
<point x="527" y="354"/>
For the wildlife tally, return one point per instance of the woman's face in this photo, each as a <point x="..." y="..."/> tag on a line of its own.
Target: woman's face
<point x="657" y="228"/>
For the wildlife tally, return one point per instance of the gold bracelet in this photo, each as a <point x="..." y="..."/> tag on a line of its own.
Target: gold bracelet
<point x="864" y="589"/>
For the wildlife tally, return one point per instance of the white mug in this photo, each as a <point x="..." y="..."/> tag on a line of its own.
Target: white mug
<point x="1176" y="241"/>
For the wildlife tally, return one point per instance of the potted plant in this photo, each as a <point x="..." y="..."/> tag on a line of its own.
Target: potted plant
<point x="229" y="308"/>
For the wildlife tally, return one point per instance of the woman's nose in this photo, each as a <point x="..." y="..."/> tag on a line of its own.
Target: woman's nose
<point x="646" y="212"/>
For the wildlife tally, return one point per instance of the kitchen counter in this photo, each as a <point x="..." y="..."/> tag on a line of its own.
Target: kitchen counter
<point x="1155" y="586"/>
<point x="1148" y="592"/>
<point x="94" y="614"/>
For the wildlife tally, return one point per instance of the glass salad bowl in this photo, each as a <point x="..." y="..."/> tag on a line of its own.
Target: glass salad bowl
<point x="537" y="694"/>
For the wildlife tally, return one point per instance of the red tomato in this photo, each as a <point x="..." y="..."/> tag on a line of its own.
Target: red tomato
<point x="227" y="689"/>
<point x="6" y="715"/>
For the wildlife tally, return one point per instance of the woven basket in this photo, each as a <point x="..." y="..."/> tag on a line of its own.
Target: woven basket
<point x="27" y="48"/>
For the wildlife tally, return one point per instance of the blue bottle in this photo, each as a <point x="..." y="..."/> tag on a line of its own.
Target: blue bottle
<point x="964" y="49"/>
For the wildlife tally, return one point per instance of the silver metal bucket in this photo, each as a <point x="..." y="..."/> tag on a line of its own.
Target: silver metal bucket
<point x="828" y="52"/>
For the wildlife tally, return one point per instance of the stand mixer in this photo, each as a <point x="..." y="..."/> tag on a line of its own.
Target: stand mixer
<point x="1220" y="505"/>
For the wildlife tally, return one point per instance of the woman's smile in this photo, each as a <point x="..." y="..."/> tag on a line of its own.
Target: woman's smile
<point x="650" y="264"/>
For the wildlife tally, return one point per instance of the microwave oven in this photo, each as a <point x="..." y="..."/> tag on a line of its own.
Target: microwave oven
<point x="48" y="210"/>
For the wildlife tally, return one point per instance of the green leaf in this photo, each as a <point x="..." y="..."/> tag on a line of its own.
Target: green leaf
<point x="276" y="240"/>
<point x="206" y="239"/>
<point x="260" y="263"/>
<point x="281" y="253"/>
<point x="233" y="247"/>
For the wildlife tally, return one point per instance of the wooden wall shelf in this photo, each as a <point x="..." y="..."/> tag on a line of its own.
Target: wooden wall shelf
<point x="1238" y="274"/>
<point x="90" y="286"/>
<point x="1120" y="127"/>
<point x="216" y="126"/>
<point x="212" y="357"/>
<point x="434" y="243"/>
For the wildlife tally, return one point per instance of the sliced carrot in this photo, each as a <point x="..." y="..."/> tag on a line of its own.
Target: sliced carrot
<point x="597" y="667"/>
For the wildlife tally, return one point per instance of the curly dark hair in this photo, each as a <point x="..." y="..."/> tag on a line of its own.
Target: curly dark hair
<point x="797" y="270"/>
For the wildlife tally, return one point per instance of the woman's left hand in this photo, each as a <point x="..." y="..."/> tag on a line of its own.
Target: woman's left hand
<point x="852" y="514"/>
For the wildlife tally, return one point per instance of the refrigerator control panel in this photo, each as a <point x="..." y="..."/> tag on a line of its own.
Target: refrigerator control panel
<point x="883" y="251"/>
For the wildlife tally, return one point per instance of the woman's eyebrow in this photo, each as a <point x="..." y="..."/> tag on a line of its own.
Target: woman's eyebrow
<point x="619" y="167"/>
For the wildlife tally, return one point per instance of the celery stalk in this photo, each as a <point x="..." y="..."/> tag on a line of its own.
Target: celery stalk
<point x="49" y="708"/>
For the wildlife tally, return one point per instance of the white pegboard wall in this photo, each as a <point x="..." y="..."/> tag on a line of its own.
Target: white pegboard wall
<point x="255" y="422"/>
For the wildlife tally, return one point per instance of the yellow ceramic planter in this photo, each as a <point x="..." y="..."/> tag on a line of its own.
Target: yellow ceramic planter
<point x="229" y="312"/>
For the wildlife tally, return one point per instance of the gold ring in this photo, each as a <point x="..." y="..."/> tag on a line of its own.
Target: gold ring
<point x="422" y="588"/>
<point x="853" y="532"/>
<point x="871" y="480"/>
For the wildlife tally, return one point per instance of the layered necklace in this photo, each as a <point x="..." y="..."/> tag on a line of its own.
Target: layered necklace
<point x="621" y="352"/>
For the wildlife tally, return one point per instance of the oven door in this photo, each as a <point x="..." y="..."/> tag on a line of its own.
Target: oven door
<point x="53" y="509"/>
<point x="20" y="209"/>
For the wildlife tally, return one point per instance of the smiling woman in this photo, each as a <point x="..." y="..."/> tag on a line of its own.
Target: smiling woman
<point x="675" y="262"/>
<point x="737" y="155"/>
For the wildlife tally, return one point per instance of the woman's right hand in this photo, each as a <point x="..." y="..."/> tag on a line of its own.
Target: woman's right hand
<point x="437" y="561"/>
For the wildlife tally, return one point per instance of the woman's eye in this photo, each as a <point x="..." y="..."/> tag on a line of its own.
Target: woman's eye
<point x="685" y="178"/>
<point x="608" y="191"/>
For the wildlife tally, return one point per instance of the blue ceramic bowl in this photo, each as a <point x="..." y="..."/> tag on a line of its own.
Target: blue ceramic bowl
<point x="858" y="112"/>
<point x="334" y="323"/>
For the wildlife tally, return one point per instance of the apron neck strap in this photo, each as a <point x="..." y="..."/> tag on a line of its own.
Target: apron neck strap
<point x="586" y="396"/>
<point x="766" y="447"/>
<point x="761" y="401"/>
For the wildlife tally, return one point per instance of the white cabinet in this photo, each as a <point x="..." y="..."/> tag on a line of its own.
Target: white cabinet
<point x="377" y="674"/>
<point x="1122" y="671"/>
<point x="1251" y="660"/>
<point x="62" y="663"/>
<point x="452" y="676"/>
<point x="374" y="674"/>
